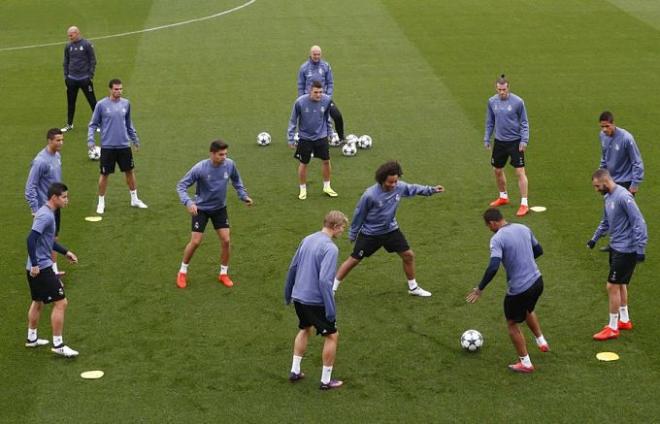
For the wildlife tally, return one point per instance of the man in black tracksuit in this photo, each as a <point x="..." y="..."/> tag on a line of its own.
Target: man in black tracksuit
<point x="79" y="67"/>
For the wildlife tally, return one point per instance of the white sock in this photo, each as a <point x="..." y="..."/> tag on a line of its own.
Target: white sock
<point x="326" y="184"/>
<point x="326" y="374"/>
<point x="504" y="195"/>
<point x="523" y="201"/>
<point x="32" y="334"/>
<point x="614" y="325"/>
<point x="102" y="201"/>
<point x="184" y="268"/>
<point x="303" y="187"/>
<point x="336" y="284"/>
<point x="623" y="313"/>
<point x="55" y="270"/>
<point x="526" y="361"/>
<point x="57" y="341"/>
<point x="223" y="269"/>
<point x="412" y="284"/>
<point x="540" y="340"/>
<point x="295" y="364"/>
<point x="133" y="195"/>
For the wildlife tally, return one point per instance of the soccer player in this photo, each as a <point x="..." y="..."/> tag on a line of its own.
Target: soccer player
<point x="620" y="156"/>
<point x="45" y="286"/>
<point x="310" y="116"/>
<point x="374" y="223"/>
<point x="46" y="169"/>
<point x="211" y="177"/>
<point x="515" y="246"/>
<point x="628" y="236"/>
<point x="309" y="286"/>
<point x="506" y="115"/>
<point x="79" y="67"/>
<point x="316" y="69"/>
<point x="113" y="116"/>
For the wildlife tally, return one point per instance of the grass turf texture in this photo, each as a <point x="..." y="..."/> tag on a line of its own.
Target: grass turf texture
<point x="414" y="75"/>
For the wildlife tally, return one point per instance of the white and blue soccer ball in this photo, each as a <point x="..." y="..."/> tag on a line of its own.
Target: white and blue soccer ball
<point x="351" y="139"/>
<point x="472" y="340"/>
<point x="94" y="153"/>
<point x="365" y="142"/>
<point x="335" y="141"/>
<point x="349" y="149"/>
<point x="263" y="139"/>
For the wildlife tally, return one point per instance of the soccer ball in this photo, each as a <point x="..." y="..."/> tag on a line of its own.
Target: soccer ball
<point x="334" y="140"/>
<point x="263" y="139"/>
<point x="351" y="139"/>
<point x="349" y="149"/>
<point x="472" y="340"/>
<point x="94" y="153"/>
<point x="364" y="142"/>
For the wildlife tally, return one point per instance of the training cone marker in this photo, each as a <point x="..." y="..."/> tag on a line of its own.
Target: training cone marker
<point x="92" y="375"/>
<point x="607" y="356"/>
<point x="93" y="218"/>
<point x="538" y="208"/>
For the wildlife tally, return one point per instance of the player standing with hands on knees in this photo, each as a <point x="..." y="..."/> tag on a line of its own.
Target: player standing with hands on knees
<point x="211" y="177"/>
<point x="507" y="116"/>
<point x="45" y="286"/>
<point x="623" y="220"/>
<point x="309" y="286"/>
<point x="515" y="247"/>
<point x="374" y="223"/>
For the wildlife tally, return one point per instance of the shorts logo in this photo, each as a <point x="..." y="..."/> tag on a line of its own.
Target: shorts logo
<point x="361" y="253"/>
<point x="60" y="291"/>
<point x="196" y="226"/>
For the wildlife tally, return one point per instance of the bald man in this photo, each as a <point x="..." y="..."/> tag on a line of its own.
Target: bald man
<point x="79" y="67"/>
<point x="315" y="69"/>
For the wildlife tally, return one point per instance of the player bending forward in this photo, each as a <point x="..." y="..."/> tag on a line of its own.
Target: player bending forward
<point x="515" y="246"/>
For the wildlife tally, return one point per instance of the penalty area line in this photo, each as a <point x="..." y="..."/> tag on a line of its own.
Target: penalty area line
<point x="140" y="31"/>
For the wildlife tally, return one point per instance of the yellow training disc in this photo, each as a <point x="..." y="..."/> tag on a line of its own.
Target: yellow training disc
<point x="607" y="356"/>
<point x="92" y="375"/>
<point x="93" y="218"/>
<point x="538" y="208"/>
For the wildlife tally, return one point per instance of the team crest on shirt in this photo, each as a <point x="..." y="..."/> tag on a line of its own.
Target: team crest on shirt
<point x="616" y="147"/>
<point x="380" y="204"/>
<point x="306" y="110"/>
<point x="397" y="197"/>
<point x="322" y="109"/>
<point x="123" y="110"/>
<point x="321" y="71"/>
<point x="226" y="175"/>
<point x="309" y="73"/>
<point x="81" y="48"/>
<point x="508" y="108"/>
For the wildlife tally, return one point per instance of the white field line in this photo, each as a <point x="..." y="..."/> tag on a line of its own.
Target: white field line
<point x="124" y="34"/>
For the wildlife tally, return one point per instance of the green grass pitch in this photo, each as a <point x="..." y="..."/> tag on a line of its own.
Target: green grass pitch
<point x="413" y="74"/>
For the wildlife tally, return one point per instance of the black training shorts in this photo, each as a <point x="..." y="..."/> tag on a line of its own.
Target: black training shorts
<point x="307" y="147"/>
<point x="517" y="306"/>
<point x="622" y="266"/>
<point x="365" y="245"/>
<point x="218" y="217"/>
<point x="313" y="315"/>
<point x="124" y="157"/>
<point x="505" y="150"/>
<point x="46" y="287"/>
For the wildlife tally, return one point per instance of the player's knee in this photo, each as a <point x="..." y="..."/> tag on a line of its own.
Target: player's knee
<point x="408" y="256"/>
<point x="61" y="304"/>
